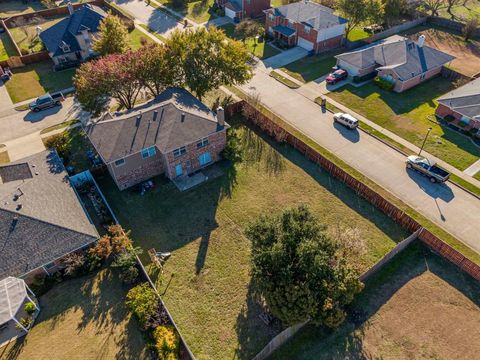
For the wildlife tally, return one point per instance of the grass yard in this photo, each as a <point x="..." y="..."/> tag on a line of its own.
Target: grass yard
<point x="136" y="37"/>
<point x="82" y="318"/>
<point x="285" y="81"/>
<point x="477" y="175"/>
<point x="357" y="33"/>
<point x="419" y="306"/>
<point x="463" y="10"/>
<point x="76" y="149"/>
<point x="311" y="67"/>
<point x="261" y="50"/>
<point x="7" y="48"/>
<point x="37" y="79"/>
<point x="406" y="114"/>
<point x="206" y="283"/>
<point x="466" y="53"/>
<point x="197" y="11"/>
<point x="26" y="37"/>
<point x="17" y="7"/>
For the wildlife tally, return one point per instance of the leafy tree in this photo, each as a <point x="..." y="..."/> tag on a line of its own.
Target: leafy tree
<point x="112" y="37"/>
<point x="354" y="11"/>
<point x="393" y="9"/>
<point x="209" y="59"/>
<point x="433" y="6"/>
<point x="470" y="28"/>
<point x="120" y="239"/>
<point x="103" y="247"/>
<point x="375" y="11"/>
<point x="156" y="70"/>
<point x="298" y="271"/>
<point x="247" y="29"/>
<point x="143" y="302"/>
<point x="450" y="5"/>
<point x="114" y="76"/>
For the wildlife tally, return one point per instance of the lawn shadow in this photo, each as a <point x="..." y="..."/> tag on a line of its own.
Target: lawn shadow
<point x="352" y="135"/>
<point x="434" y="190"/>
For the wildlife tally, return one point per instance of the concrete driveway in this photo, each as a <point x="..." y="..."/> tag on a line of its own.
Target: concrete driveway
<point x="155" y="19"/>
<point x="453" y="209"/>
<point x="285" y="57"/>
<point x="22" y="123"/>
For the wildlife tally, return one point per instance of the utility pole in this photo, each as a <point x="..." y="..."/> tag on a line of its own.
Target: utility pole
<point x="424" y="140"/>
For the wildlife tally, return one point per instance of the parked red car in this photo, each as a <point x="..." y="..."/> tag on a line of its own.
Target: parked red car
<point x="336" y="76"/>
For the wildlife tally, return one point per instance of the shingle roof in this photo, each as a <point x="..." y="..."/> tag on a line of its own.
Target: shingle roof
<point x="310" y="13"/>
<point x="465" y="100"/>
<point x="401" y="55"/>
<point x="174" y="119"/>
<point x="41" y="218"/>
<point x="285" y="30"/>
<point x="86" y="17"/>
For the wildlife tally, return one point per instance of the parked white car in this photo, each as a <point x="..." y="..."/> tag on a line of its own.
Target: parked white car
<point x="346" y="120"/>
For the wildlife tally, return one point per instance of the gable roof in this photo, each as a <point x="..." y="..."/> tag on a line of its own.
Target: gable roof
<point x="174" y="119"/>
<point x="403" y="56"/>
<point x="87" y="17"/>
<point x="465" y="100"/>
<point x="309" y="13"/>
<point x="41" y="218"/>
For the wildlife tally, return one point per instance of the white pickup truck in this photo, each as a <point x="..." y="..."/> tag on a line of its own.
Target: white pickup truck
<point x="425" y="167"/>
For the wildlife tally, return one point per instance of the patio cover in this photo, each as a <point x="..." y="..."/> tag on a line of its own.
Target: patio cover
<point x="13" y="292"/>
<point x="284" y="30"/>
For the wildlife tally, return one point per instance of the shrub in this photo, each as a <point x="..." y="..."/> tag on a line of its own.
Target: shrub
<point x="25" y="322"/>
<point x="73" y="263"/>
<point x="129" y="275"/>
<point x="167" y="342"/>
<point x="59" y="142"/>
<point x="30" y="308"/>
<point x="384" y="84"/>
<point x="119" y="239"/>
<point x="449" y="118"/>
<point x="143" y="302"/>
<point x="233" y="149"/>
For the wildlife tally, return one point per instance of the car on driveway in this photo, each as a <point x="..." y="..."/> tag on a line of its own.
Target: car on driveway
<point x="47" y="101"/>
<point x="346" y="120"/>
<point x="427" y="168"/>
<point x="336" y="76"/>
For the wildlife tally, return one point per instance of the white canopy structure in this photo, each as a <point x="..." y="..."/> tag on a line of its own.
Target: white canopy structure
<point x="13" y="293"/>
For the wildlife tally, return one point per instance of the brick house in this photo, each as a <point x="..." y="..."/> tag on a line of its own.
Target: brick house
<point x="175" y="135"/>
<point x="238" y="10"/>
<point x="398" y="60"/>
<point x="462" y="105"/>
<point x="306" y="24"/>
<point x="41" y="217"/>
<point x="70" y="40"/>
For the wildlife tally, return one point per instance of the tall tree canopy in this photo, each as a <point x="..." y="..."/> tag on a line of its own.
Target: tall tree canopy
<point x="112" y="37"/>
<point x="393" y="9"/>
<point x="298" y="271"/>
<point x="209" y="59"/>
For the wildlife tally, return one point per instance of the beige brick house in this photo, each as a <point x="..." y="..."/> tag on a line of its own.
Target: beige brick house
<point x="175" y="135"/>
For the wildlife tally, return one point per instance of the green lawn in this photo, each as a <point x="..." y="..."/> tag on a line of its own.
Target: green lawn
<point x="7" y="48"/>
<point x="82" y="318"/>
<point x="37" y="79"/>
<point x="406" y="115"/>
<point x="311" y="67"/>
<point x="463" y="10"/>
<point x="285" y="81"/>
<point x="206" y="283"/>
<point x="261" y="50"/>
<point x="136" y="37"/>
<point x="406" y="311"/>
<point x="26" y="37"/>
<point x="16" y="7"/>
<point x="157" y="35"/>
<point x="357" y="33"/>
<point x="477" y="175"/>
<point x="197" y="11"/>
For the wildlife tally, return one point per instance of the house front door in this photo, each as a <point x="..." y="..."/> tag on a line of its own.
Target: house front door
<point x="178" y="170"/>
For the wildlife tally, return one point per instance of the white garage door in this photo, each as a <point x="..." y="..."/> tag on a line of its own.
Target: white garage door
<point x="307" y="45"/>
<point x="352" y="71"/>
<point x="230" y="13"/>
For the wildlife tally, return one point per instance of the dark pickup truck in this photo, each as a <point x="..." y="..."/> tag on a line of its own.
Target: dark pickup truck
<point x="423" y="166"/>
<point x="47" y="101"/>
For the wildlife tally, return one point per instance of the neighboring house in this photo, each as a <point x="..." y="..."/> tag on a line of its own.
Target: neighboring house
<point x="462" y="105"/>
<point x="242" y="9"/>
<point x="41" y="217"/>
<point x="175" y="135"/>
<point x="307" y="24"/>
<point x="396" y="59"/>
<point x="70" y="40"/>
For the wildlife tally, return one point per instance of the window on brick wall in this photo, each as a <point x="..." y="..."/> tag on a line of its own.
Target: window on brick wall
<point x="120" y="162"/>
<point x="148" y="152"/>
<point x="202" y="143"/>
<point x="271" y="16"/>
<point x="180" y="151"/>
<point x="306" y="28"/>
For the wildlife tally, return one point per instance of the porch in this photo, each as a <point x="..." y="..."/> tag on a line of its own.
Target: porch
<point x="284" y="35"/>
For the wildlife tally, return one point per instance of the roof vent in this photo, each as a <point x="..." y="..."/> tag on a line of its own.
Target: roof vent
<point x="183" y="117"/>
<point x="19" y="207"/>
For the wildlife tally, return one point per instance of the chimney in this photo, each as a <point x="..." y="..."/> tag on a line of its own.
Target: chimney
<point x="221" y="116"/>
<point x="155" y="114"/>
<point x="183" y="117"/>
<point x="39" y="30"/>
<point x="70" y="8"/>
<point x="421" y="40"/>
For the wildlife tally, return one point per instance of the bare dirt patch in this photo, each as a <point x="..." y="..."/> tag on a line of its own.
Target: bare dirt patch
<point x="467" y="54"/>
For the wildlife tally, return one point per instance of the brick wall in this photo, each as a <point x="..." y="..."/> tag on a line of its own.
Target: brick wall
<point x="399" y="216"/>
<point x="254" y="8"/>
<point x="443" y="111"/>
<point x="189" y="161"/>
<point x="329" y="44"/>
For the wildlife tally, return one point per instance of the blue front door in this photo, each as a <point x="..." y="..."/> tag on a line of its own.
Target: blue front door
<point x="205" y="158"/>
<point x="178" y="170"/>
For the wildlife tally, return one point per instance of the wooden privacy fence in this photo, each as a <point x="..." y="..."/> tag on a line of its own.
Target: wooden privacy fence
<point x="282" y="135"/>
